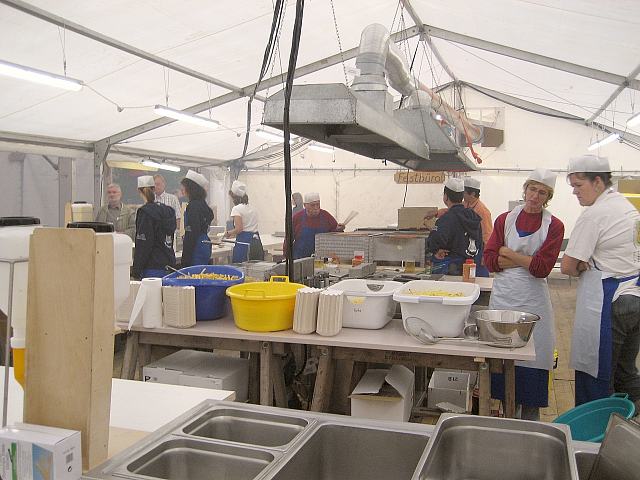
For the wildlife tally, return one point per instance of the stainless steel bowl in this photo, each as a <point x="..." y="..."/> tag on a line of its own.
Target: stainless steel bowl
<point x="505" y="328"/>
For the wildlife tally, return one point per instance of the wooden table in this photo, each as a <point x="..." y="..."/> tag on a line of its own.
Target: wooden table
<point x="389" y="345"/>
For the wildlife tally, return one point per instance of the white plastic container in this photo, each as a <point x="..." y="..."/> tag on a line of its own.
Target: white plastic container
<point x="368" y="304"/>
<point x="81" y="212"/>
<point x="446" y="315"/>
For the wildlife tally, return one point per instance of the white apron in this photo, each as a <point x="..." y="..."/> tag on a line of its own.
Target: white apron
<point x="591" y="342"/>
<point x="516" y="289"/>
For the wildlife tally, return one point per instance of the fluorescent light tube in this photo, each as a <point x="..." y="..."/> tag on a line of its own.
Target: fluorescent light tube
<point x="606" y="140"/>
<point x="185" y="117"/>
<point x="634" y="120"/>
<point x="320" y="147"/>
<point x="39" y="76"/>
<point x="161" y="166"/>
<point x="273" y="136"/>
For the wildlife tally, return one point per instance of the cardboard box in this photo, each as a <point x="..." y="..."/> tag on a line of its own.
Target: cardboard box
<point x="449" y="386"/>
<point x="473" y="374"/>
<point x="384" y="394"/>
<point x="629" y="185"/>
<point x="38" y="452"/>
<point x="412" y="218"/>
<point x="201" y="369"/>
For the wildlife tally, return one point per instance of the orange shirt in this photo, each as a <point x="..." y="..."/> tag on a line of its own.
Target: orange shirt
<point x="485" y="216"/>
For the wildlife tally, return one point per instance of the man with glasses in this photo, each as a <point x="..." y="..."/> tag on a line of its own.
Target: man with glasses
<point x="309" y="222"/>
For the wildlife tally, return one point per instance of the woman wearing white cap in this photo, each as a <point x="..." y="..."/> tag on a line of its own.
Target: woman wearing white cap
<point x="245" y="226"/>
<point x="196" y="247"/>
<point x="604" y="252"/>
<point x="522" y="250"/>
<point x="155" y="227"/>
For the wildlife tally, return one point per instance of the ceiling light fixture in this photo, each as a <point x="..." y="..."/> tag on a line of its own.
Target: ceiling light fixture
<point x="161" y="166"/>
<point x="321" y="147"/>
<point x="273" y="136"/>
<point x="186" y="117"/>
<point x="634" y="120"/>
<point x="39" y="76"/>
<point x="605" y="141"/>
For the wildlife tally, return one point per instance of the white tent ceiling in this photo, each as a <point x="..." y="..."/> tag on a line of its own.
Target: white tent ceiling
<point x="226" y="40"/>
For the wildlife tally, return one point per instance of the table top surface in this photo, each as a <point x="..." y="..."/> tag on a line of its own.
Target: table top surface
<point x="391" y="337"/>
<point x="141" y="406"/>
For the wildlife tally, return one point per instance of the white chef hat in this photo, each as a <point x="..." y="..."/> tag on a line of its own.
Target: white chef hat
<point x="238" y="188"/>
<point x="146" y="181"/>
<point x="470" y="182"/>
<point x="198" y="178"/>
<point x="455" y="184"/>
<point x="588" y="163"/>
<point x="544" y="176"/>
<point x="311" y="197"/>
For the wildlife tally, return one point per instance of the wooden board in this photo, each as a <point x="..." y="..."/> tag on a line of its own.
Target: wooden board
<point x="69" y="356"/>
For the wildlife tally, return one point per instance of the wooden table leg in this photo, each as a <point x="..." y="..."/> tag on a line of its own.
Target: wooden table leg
<point x="484" y="388"/>
<point x="340" y="403"/>
<point x="324" y="380"/>
<point x="254" y="377"/>
<point x="509" y="389"/>
<point x="266" y="385"/>
<point x="144" y="358"/>
<point x="279" y="388"/>
<point x="130" y="360"/>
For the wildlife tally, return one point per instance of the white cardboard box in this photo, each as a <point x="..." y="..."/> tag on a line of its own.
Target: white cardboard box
<point x="201" y="369"/>
<point x="384" y="394"/>
<point x="449" y="386"/>
<point x="38" y="452"/>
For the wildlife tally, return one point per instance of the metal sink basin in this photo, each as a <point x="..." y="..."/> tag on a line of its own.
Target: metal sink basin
<point x="243" y="426"/>
<point x="357" y="453"/>
<point x="585" y="461"/>
<point x="483" y="448"/>
<point x="180" y="459"/>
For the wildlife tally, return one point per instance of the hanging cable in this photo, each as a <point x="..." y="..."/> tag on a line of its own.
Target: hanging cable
<point x="293" y="58"/>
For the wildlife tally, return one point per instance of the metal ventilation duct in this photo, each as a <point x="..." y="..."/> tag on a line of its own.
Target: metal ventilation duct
<point x="361" y="119"/>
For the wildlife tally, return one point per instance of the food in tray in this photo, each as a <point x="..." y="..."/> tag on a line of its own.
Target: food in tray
<point x="208" y="276"/>
<point x="433" y="293"/>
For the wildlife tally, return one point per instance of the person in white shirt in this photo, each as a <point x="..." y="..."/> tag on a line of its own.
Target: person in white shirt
<point x="604" y="253"/>
<point x="245" y="226"/>
<point x="167" y="198"/>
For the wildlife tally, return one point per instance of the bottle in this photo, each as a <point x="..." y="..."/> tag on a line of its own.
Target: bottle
<point x="469" y="271"/>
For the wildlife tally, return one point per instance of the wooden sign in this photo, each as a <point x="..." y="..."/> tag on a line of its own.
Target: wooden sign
<point x="419" y="177"/>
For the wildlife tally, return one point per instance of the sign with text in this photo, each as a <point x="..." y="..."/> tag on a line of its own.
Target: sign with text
<point x="419" y="177"/>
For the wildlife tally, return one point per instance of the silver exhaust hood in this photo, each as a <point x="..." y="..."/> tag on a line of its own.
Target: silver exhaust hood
<point x="365" y="123"/>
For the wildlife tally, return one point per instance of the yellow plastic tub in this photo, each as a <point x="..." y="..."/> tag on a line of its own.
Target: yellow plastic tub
<point x="264" y="306"/>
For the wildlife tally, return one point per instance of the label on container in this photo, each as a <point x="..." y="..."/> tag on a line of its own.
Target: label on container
<point x="356" y="300"/>
<point x="472" y="272"/>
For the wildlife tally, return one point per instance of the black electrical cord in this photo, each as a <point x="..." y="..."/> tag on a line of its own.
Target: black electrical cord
<point x="293" y="58"/>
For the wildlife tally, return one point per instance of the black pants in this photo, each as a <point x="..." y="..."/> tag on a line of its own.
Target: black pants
<point x="626" y="343"/>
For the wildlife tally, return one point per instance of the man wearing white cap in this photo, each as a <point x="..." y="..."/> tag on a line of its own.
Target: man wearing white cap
<point x="245" y="226"/>
<point x="604" y="253"/>
<point x="309" y="222"/>
<point x="457" y="235"/>
<point x="196" y="246"/>
<point x="155" y="228"/>
<point x="472" y="201"/>
<point x="522" y="251"/>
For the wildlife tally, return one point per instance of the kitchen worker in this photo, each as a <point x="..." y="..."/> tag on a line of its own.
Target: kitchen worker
<point x="604" y="253"/>
<point x="245" y="226"/>
<point x="116" y="213"/>
<point x="196" y="246"/>
<point x="522" y="251"/>
<point x="472" y="201"/>
<point x="457" y="235"/>
<point x="309" y="222"/>
<point x="155" y="227"/>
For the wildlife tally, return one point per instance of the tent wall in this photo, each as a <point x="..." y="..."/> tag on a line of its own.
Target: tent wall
<point x="531" y="141"/>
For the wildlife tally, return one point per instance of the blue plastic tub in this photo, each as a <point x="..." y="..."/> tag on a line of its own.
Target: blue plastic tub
<point x="588" y="422"/>
<point x="211" y="298"/>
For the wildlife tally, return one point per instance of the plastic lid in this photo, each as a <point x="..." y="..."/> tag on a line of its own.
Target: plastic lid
<point x="98" y="227"/>
<point x="79" y="202"/>
<point x="469" y="261"/>
<point x="18" y="221"/>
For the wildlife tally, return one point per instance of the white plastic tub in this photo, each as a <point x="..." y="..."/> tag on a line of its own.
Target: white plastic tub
<point x="368" y="304"/>
<point x="446" y="315"/>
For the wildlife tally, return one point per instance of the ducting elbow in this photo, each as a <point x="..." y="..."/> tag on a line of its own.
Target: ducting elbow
<point x="372" y="55"/>
<point x="399" y="72"/>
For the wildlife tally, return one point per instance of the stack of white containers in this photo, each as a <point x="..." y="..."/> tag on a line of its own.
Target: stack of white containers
<point x="124" y="311"/>
<point x="306" y="312"/>
<point x="179" y="306"/>
<point x="330" y="307"/>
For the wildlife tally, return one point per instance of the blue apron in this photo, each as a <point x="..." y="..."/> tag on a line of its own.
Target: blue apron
<point x="202" y="251"/>
<point x="305" y="244"/>
<point x="592" y="341"/>
<point x="242" y="249"/>
<point x="153" y="273"/>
